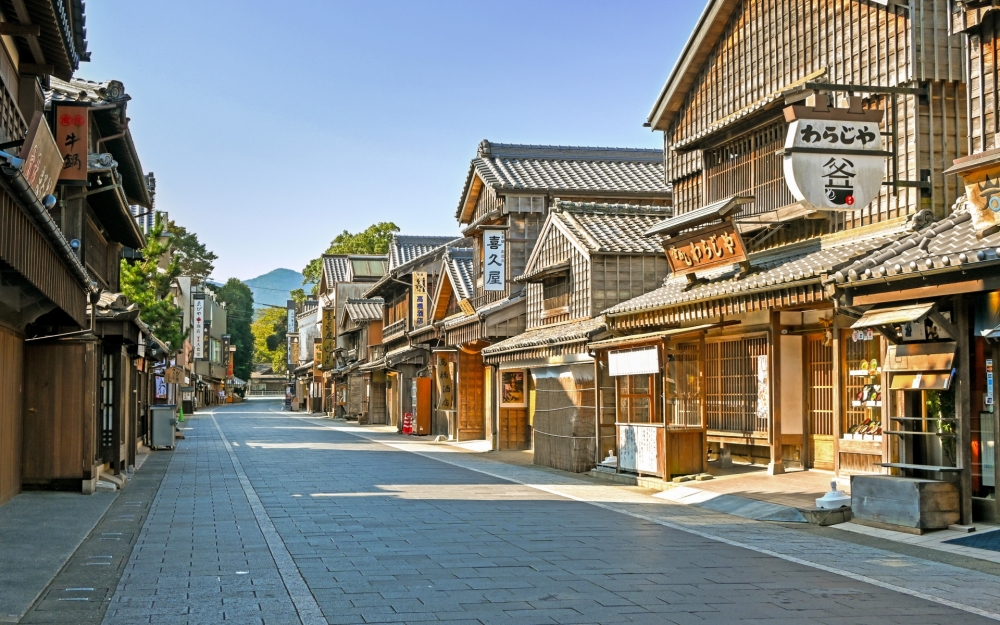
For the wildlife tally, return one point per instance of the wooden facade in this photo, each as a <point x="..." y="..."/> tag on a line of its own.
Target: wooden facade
<point x="11" y="397"/>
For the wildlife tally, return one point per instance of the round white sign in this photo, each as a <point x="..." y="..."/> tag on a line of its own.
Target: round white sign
<point x="831" y="174"/>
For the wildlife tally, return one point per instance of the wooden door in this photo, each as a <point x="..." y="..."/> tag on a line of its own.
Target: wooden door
<point x="471" y="421"/>
<point x="819" y="401"/>
<point x="11" y="363"/>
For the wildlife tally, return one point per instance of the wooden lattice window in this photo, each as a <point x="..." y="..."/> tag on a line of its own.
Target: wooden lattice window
<point x="820" y="380"/>
<point x="555" y="296"/>
<point x="749" y="165"/>
<point x="682" y="384"/>
<point x="635" y="399"/>
<point x="733" y="387"/>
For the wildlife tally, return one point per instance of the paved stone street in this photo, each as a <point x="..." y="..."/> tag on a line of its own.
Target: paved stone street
<point x="273" y="517"/>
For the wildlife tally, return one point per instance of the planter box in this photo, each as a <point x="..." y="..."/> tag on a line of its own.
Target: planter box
<point x="912" y="503"/>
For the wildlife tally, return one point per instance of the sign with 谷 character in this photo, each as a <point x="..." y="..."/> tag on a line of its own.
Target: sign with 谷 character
<point x="833" y="157"/>
<point x="705" y="248"/>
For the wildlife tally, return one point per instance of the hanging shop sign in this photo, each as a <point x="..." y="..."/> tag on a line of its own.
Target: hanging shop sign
<point x="643" y="360"/>
<point x="43" y="163"/>
<point x="494" y="260"/>
<point x="467" y="308"/>
<point x="706" y="248"/>
<point x="290" y="305"/>
<point x="173" y="375"/>
<point x="445" y="384"/>
<point x="329" y="359"/>
<point x="420" y="298"/>
<point x="833" y="157"/>
<point x="198" y="331"/>
<point x="72" y="137"/>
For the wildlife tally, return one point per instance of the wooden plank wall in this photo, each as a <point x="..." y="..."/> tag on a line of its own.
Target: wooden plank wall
<point x="514" y="431"/>
<point x="471" y="416"/>
<point x="12" y="364"/>
<point x="620" y="278"/>
<point x="554" y="249"/>
<point x="984" y="90"/>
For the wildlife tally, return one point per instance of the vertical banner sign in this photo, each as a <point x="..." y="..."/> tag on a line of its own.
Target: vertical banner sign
<point x="763" y="393"/>
<point x="43" y="161"/>
<point x="419" y="298"/>
<point x="72" y="137"/>
<point x="446" y="398"/>
<point x="329" y="338"/>
<point x="494" y="260"/>
<point x="291" y="315"/>
<point x="198" y="331"/>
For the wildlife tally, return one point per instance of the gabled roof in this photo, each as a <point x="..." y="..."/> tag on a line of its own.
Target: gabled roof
<point x="612" y="228"/>
<point x="405" y="248"/>
<point x="629" y="172"/>
<point x="458" y="266"/>
<point x="950" y="245"/>
<point x="336" y="268"/>
<point x="806" y="262"/>
<point x="360" y="310"/>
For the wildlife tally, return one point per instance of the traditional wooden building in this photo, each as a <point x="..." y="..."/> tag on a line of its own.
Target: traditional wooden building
<point x="507" y="193"/>
<point x="358" y="329"/>
<point x="408" y="333"/>
<point x="765" y="354"/>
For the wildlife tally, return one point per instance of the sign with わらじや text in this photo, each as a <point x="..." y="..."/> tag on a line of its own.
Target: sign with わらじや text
<point x="494" y="260"/>
<point x="833" y="158"/>
<point x="420" y="298"/>
<point x="706" y="248"/>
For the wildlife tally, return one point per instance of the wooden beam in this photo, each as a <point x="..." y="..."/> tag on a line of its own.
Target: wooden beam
<point x="25" y="19"/>
<point x="20" y="30"/>
<point x="940" y="290"/>
<point x="963" y="408"/>
<point x="34" y="69"/>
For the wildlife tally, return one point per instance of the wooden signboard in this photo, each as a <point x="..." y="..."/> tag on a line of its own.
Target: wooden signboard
<point x="706" y="248"/>
<point x="328" y="357"/>
<point x="43" y="161"/>
<point x="72" y="132"/>
<point x="173" y="375"/>
<point x="445" y="384"/>
<point x="467" y="308"/>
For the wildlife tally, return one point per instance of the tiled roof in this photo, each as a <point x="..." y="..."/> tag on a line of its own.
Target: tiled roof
<point x="948" y="245"/>
<point x="85" y="91"/>
<point x="336" y="269"/>
<point x="612" y="227"/>
<point x="458" y="264"/>
<point x="554" y="334"/>
<point x="364" y="309"/>
<point x="512" y="167"/>
<point x="405" y="248"/>
<point x="488" y="309"/>
<point x="807" y="261"/>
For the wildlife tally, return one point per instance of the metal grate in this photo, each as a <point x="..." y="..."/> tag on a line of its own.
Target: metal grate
<point x="732" y="386"/>
<point x="820" y="372"/>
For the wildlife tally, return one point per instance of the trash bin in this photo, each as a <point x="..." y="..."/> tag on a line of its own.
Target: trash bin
<point x="163" y="419"/>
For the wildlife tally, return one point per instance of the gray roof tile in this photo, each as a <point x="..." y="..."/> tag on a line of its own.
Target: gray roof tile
<point x="612" y="227"/>
<point x="336" y="269"/>
<point x="364" y="309"/>
<point x="549" y="335"/>
<point x="513" y="167"/>
<point x="405" y="248"/>
<point x="458" y="264"/>
<point x="771" y="269"/>
<point x="947" y="245"/>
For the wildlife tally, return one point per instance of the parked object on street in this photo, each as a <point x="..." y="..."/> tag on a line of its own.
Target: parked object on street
<point x="164" y="422"/>
<point x="834" y="499"/>
<point x="904" y="502"/>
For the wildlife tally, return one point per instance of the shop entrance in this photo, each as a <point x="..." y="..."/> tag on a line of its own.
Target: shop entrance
<point x="819" y="398"/>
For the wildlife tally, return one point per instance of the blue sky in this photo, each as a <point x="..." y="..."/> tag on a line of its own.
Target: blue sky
<point x="271" y="127"/>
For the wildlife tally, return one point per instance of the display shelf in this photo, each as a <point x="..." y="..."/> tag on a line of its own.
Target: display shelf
<point x="908" y="433"/>
<point x="863" y="373"/>
<point x="866" y="404"/>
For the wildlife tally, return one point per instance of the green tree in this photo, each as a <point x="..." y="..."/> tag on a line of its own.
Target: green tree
<point x="375" y="239"/>
<point x="299" y="295"/>
<point x="192" y="256"/>
<point x="146" y="284"/>
<point x="270" y="329"/>
<point x="238" y="299"/>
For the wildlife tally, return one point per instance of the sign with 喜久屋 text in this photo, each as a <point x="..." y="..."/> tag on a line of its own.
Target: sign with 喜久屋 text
<point x="833" y="158"/>
<point x="706" y="248"/>
<point x="494" y="260"/>
<point x="419" y="298"/>
<point x="43" y="161"/>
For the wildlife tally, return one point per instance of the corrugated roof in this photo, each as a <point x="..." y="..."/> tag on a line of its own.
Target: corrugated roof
<point x="612" y="227"/>
<point x="545" y="168"/>
<point x="364" y="309"/>
<point x="771" y="269"/>
<point x="554" y="334"/>
<point x="947" y="245"/>
<point x="405" y="248"/>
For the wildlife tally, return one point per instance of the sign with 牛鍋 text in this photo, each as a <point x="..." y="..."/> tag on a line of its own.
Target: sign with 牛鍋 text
<point x="706" y="248"/>
<point x="494" y="260"/>
<point x="43" y="161"/>
<point x="72" y="132"/>
<point x="826" y="166"/>
<point x="420" y="298"/>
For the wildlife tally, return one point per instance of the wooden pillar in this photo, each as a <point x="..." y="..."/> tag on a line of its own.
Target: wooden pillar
<point x="963" y="408"/>
<point x="839" y="376"/>
<point x="776" y="466"/>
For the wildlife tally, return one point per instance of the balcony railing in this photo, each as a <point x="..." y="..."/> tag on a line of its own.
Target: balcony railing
<point x="394" y="329"/>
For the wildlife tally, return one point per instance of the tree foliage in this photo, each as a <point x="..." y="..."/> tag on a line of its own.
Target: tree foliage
<point x="270" y="328"/>
<point x="148" y="284"/>
<point x="192" y="256"/>
<point x="375" y="239"/>
<point x="238" y="299"/>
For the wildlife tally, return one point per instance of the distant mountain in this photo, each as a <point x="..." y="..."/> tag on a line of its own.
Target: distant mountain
<point x="273" y="287"/>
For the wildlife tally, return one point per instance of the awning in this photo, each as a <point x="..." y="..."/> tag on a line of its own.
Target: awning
<point x="650" y="336"/>
<point x="699" y="216"/>
<point x="404" y="354"/>
<point x="921" y="382"/>
<point x="893" y="316"/>
<point x="920" y="357"/>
